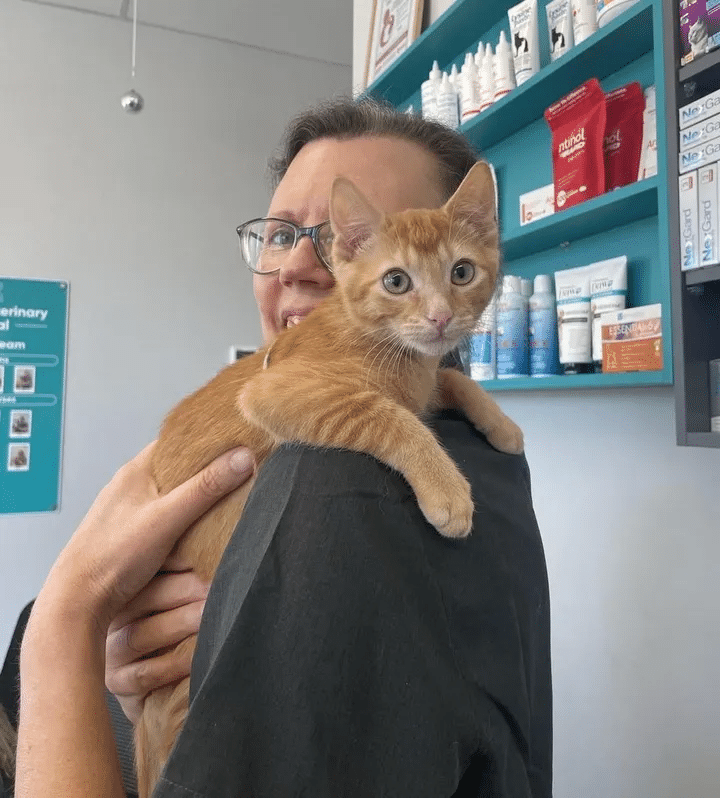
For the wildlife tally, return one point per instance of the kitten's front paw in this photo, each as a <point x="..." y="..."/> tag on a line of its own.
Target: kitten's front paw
<point x="506" y="437"/>
<point x="448" y="506"/>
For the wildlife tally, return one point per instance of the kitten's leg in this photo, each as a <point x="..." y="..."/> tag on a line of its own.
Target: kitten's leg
<point x="295" y="407"/>
<point x="458" y="392"/>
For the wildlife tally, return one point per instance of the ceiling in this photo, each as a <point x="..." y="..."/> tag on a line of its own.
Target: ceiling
<point x="320" y="30"/>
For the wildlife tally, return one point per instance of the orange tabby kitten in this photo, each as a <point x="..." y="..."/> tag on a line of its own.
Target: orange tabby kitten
<point x="358" y="374"/>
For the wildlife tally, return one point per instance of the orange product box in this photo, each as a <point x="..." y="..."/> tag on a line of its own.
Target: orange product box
<point x="632" y="339"/>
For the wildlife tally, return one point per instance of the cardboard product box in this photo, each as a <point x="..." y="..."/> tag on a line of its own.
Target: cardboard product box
<point x="696" y="111"/>
<point x="708" y="215"/>
<point x="537" y="204"/>
<point x="632" y="339"/>
<point x="707" y="153"/>
<point x="697" y="135"/>
<point x="689" y="228"/>
<point x="699" y="28"/>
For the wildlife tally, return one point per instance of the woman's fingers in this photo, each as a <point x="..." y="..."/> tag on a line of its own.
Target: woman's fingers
<point x="153" y="633"/>
<point x="188" y="501"/>
<point x="130" y="531"/>
<point x="133" y="682"/>
<point x="165" y="592"/>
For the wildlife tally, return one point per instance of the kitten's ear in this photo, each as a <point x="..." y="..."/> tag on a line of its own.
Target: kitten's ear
<point x="476" y="198"/>
<point x="353" y="219"/>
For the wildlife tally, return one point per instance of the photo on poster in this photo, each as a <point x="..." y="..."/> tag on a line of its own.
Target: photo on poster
<point x="18" y="457"/>
<point x="20" y="423"/>
<point x="24" y="379"/>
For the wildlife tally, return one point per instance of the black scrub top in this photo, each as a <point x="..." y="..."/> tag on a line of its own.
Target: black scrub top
<point x="348" y="650"/>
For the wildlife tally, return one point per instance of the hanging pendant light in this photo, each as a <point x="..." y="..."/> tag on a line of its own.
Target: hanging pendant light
<point x="132" y="101"/>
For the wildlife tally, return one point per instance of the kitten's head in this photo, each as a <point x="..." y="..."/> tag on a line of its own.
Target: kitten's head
<point x="419" y="277"/>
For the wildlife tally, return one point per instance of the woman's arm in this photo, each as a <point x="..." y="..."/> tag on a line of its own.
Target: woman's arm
<point x="65" y="745"/>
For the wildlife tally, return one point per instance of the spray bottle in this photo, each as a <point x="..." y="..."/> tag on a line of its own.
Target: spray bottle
<point x="512" y="331"/>
<point x="544" y="361"/>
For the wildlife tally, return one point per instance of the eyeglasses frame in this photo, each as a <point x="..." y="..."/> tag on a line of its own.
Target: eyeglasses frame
<point x="300" y="232"/>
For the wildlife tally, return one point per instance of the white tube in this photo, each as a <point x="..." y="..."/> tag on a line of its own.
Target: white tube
<point x="560" y="29"/>
<point x="572" y="292"/>
<point x="524" y="40"/>
<point x="608" y="291"/>
<point x="584" y="14"/>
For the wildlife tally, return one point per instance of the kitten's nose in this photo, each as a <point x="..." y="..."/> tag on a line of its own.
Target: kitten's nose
<point x="440" y="319"/>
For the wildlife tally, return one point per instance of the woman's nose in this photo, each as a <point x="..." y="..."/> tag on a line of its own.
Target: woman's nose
<point x="303" y="264"/>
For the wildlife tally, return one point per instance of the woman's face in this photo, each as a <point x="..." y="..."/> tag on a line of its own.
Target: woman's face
<point x="393" y="174"/>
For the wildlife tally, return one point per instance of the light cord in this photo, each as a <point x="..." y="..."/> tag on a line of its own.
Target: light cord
<point x="134" y="36"/>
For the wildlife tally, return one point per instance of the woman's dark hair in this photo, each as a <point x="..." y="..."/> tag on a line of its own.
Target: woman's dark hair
<point x="8" y="743"/>
<point x="346" y="118"/>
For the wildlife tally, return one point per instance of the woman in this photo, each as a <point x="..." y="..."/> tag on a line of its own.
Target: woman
<point x="345" y="649"/>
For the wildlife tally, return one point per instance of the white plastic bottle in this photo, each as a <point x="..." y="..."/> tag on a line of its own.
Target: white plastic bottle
<point x="428" y="92"/>
<point x="447" y="103"/>
<point x="504" y="70"/>
<point x="478" y="58"/>
<point x="455" y="83"/>
<point x="482" y="345"/>
<point x="487" y="79"/>
<point x="512" y="331"/>
<point x="607" y="10"/>
<point x="469" y="98"/>
<point x="455" y="78"/>
<point x="542" y="331"/>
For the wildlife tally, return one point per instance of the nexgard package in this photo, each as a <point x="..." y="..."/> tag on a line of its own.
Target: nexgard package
<point x="699" y="156"/>
<point x="699" y="110"/>
<point x="697" y="135"/>
<point x="708" y="215"/>
<point x="689" y="221"/>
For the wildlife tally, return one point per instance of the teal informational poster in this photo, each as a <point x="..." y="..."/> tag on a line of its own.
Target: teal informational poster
<point x="33" y="342"/>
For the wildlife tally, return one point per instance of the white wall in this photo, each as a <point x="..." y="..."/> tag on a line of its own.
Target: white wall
<point x="631" y="525"/>
<point x="139" y="214"/>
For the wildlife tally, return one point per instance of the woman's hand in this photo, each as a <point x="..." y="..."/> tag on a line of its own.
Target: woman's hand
<point x="165" y="612"/>
<point x="66" y="745"/>
<point x="128" y="535"/>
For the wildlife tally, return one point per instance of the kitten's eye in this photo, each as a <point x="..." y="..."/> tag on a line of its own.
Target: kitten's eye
<point x="462" y="273"/>
<point x="397" y="282"/>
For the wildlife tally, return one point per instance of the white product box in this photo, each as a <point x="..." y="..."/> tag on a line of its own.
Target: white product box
<point x="697" y="135"/>
<point x="537" y="204"/>
<point x="699" y="110"/>
<point x="688" y="221"/>
<point x="708" y="215"/>
<point x="707" y="153"/>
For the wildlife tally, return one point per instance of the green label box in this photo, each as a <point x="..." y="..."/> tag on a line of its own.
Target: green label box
<point x="33" y="343"/>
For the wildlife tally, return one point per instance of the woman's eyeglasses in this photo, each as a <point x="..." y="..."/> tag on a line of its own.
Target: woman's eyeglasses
<point x="265" y="242"/>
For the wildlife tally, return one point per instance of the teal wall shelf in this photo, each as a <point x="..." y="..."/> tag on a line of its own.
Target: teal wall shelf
<point x="622" y="206"/>
<point x="452" y="33"/>
<point x="609" y="50"/>
<point x="513" y="136"/>
<point x="632" y="379"/>
<point x="698" y="276"/>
